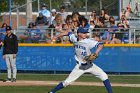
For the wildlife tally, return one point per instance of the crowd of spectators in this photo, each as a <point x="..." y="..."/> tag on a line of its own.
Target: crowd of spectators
<point x="101" y="26"/>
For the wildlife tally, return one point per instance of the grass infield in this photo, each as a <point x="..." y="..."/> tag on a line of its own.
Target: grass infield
<point x="69" y="89"/>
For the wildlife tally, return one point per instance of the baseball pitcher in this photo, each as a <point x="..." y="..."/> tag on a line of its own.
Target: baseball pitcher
<point x="84" y="58"/>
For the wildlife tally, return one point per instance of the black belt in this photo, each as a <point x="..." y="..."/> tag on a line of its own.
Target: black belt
<point x="83" y="63"/>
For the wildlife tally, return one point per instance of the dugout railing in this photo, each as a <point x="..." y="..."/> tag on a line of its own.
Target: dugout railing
<point x="132" y="35"/>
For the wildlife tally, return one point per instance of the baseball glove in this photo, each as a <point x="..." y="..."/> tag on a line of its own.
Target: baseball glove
<point x="91" y="57"/>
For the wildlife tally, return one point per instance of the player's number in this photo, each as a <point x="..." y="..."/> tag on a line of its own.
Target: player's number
<point x="84" y="53"/>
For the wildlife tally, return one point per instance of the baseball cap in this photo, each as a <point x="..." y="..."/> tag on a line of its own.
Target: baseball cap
<point x="8" y="28"/>
<point x="44" y="5"/>
<point x="82" y="30"/>
<point x="53" y="10"/>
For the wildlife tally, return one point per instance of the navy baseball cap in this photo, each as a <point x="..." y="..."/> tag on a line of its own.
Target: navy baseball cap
<point x="8" y="28"/>
<point x="44" y="5"/>
<point x="82" y="30"/>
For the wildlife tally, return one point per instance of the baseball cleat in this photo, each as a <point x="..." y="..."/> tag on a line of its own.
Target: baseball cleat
<point x="8" y="80"/>
<point x="13" y="80"/>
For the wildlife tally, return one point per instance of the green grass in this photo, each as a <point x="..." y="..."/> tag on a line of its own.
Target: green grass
<point x="69" y="89"/>
<point x="85" y="78"/>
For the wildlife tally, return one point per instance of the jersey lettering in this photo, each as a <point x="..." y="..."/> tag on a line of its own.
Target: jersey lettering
<point x="80" y="47"/>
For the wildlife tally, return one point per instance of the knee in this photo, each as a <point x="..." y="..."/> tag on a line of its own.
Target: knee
<point x="104" y="76"/>
<point x="13" y="66"/>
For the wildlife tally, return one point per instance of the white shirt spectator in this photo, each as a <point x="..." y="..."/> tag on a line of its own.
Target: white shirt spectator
<point x="53" y="14"/>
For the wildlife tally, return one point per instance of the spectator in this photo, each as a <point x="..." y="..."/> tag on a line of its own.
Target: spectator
<point x="93" y="29"/>
<point x="120" y="35"/>
<point x="76" y="15"/>
<point x="69" y="22"/>
<point x="101" y="23"/>
<point x="76" y="23"/>
<point x="106" y="37"/>
<point x="49" y="32"/>
<point x="104" y="15"/>
<point x="122" y="13"/>
<point x="34" y="34"/>
<point x="25" y="35"/>
<point x="123" y="17"/>
<point x="113" y="29"/>
<point x="126" y="27"/>
<point x="84" y="23"/>
<point x="3" y="31"/>
<point x="10" y="50"/>
<point x="65" y="28"/>
<point x="125" y="23"/>
<point x="63" y="13"/>
<point x="108" y="34"/>
<point x="53" y="14"/>
<point x="93" y="17"/>
<point x="58" y="22"/>
<point x="41" y="20"/>
<point x="128" y="12"/>
<point x="45" y="11"/>
<point x="112" y="25"/>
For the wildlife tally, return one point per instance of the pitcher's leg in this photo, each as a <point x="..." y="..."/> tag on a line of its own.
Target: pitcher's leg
<point x="98" y="72"/>
<point x="7" y="60"/>
<point x="75" y="74"/>
<point x="108" y="85"/>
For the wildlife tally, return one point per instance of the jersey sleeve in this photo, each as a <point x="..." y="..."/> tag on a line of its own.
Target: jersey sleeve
<point x="72" y="37"/>
<point x="93" y="43"/>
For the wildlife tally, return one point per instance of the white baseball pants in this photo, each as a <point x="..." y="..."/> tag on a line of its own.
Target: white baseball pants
<point x="11" y="65"/>
<point x="76" y="73"/>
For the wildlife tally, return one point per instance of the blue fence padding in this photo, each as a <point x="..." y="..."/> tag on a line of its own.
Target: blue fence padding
<point x="111" y="59"/>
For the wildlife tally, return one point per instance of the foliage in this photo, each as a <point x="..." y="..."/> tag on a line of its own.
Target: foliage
<point x="3" y="5"/>
<point x="79" y="5"/>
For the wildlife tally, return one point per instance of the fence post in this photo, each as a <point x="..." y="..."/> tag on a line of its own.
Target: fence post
<point x="10" y="15"/>
<point x="29" y="11"/>
<point x="38" y="2"/>
<point x="51" y="33"/>
<point x="134" y="36"/>
<point x="130" y="32"/>
<point x="17" y="17"/>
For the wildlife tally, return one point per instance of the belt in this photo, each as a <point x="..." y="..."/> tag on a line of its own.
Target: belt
<point x="83" y="63"/>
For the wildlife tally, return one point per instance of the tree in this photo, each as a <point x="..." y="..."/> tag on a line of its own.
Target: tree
<point x="3" y="5"/>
